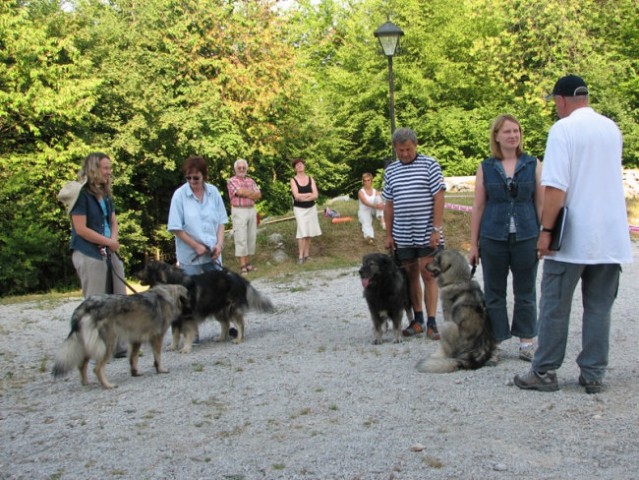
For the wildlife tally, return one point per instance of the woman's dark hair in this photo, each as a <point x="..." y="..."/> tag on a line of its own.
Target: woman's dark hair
<point x="195" y="163"/>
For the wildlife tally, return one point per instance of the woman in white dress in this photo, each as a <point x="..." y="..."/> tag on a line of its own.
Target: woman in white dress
<point x="371" y="206"/>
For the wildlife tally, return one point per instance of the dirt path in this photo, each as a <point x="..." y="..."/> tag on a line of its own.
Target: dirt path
<point x="308" y="396"/>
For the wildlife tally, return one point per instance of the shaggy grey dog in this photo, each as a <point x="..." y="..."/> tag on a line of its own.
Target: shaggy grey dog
<point x="467" y="339"/>
<point x="99" y="320"/>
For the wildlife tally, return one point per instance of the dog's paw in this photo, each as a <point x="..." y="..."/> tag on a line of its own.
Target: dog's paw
<point x="186" y="349"/>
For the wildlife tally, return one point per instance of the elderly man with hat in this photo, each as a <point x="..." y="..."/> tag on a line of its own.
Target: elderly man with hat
<point x="582" y="171"/>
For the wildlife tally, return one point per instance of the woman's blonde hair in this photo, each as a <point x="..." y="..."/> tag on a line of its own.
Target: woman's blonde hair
<point x="367" y="175"/>
<point x="96" y="183"/>
<point x="495" y="148"/>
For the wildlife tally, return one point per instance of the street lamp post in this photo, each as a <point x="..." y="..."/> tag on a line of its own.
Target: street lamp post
<point x="388" y="36"/>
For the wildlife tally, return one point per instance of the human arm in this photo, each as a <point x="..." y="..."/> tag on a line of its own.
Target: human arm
<point x="438" y="218"/>
<point x="252" y="191"/>
<point x="219" y="246"/>
<point x="553" y="200"/>
<point x="479" y="204"/>
<point x="314" y="192"/>
<point x="90" y="235"/>
<point x="304" y="197"/>
<point x="361" y="195"/>
<point x="250" y="194"/>
<point x="539" y="192"/>
<point x="88" y="220"/>
<point x="389" y="243"/>
<point x="199" y="248"/>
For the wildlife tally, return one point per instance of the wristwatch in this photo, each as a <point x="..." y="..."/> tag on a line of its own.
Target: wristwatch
<point x="544" y="229"/>
<point x="438" y="229"/>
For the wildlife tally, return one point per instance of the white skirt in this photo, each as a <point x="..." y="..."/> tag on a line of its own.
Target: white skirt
<point x="307" y="222"/>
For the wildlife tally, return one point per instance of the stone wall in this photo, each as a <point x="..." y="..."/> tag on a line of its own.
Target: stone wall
<point x="467" y="184"/>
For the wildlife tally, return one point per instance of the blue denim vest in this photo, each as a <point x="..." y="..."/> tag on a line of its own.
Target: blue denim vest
<point x="504" y="201"/>
<point x="87" y="204"/>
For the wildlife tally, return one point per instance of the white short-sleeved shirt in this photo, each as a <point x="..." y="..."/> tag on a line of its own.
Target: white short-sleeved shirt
<point x="199" y="220"/>
<point x="583" y="159"/>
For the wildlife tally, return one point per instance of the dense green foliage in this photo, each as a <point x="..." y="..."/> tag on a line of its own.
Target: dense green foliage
<point x="151" y="83"/>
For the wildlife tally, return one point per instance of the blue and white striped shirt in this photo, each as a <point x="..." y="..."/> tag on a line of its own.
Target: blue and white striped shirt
<point x="411" y="187"/>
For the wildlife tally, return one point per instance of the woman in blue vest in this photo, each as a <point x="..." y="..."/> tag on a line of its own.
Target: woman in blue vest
<point x="504" y="228"/>
<point x="95" y="233"/>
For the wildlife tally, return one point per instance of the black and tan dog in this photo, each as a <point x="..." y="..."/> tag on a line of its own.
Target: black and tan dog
<point x="386" y="293"/>
<point x="467" y="339"/>
<point x="98" y="321"/>
<point x="220" y="293"/>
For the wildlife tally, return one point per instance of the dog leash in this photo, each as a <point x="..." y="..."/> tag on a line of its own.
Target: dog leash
<point x="107" y="257"/>
<point x="473" y="269"/>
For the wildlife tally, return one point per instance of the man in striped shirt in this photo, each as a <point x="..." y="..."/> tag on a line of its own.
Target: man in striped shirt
<point x="414" y="209"/>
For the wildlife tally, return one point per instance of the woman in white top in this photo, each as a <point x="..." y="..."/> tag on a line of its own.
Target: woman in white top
<point x="370" y="205"/>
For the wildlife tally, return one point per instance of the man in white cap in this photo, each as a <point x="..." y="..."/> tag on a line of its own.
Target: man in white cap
<point x="582" y="171"/>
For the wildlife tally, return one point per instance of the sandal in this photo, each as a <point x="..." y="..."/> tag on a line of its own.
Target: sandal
<point x="250" y="268"/>
<point x="244" y="270"/>
<point x="415" y="328"/>
<point x="432" y="332"/>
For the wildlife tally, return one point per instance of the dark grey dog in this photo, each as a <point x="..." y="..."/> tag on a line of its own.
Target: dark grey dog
<point x="220" y="293"/>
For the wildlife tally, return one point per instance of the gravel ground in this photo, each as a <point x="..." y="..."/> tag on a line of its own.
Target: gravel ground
<point x="307" y="396"/>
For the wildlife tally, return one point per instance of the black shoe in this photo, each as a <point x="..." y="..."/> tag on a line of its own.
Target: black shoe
<point x="591" y="387"/>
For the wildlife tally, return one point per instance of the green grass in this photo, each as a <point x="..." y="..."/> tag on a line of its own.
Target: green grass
<point x="341" y="245"/>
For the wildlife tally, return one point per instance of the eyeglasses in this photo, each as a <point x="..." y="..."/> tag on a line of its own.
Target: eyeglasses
<point x="511" y="185"/>
<point x="240" y="168"/>
<point x="195" y="178"/>
<point x="367" y="179"/>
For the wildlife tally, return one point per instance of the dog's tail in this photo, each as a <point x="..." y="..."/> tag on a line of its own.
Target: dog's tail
<point x="83" y="342"/>
<point x="70" y="356"/>
<point x="257" y="301"/>
<point x="437" y="365"/>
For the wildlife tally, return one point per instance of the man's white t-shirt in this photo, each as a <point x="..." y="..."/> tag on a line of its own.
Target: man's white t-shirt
<point x="583" y="159"/>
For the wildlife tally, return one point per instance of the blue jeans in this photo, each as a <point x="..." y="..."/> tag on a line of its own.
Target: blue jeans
<point x="498" y="258"/>
<point x="599" y="284"/>
<point x="200" y="268"/>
